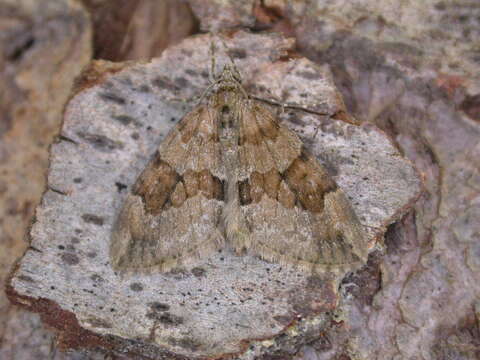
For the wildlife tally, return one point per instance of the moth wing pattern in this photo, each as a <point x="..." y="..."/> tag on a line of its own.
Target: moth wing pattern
<point x="293" y="212"/>
<point x="171" y="216"/>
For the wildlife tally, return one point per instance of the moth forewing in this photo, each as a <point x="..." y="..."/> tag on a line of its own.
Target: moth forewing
<point x="229" y="172"/>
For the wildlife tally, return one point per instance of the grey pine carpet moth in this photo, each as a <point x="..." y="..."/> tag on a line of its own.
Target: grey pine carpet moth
<point x="229" y="174"/>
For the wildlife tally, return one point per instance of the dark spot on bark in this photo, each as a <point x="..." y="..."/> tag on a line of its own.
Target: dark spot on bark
<point x="186" y="343"/>
<point x="5" y="122"/>
<point x="315" y="282"/>
<point x="92" y="254"/>
<point x="77" y="180"/>
<point x="158" y="306"/>
<point x="181" y="82"/>
<point x="109" y="96"/>
<point x="191" y="72"/>
<point x="124" y="119"/>
<point x="96" y="278"/>
<point x="99" y="323"/>
<point x="237" y="53"/>
<point x="120" y="186"/>
<point x="135" y="136"/>
<point x="75" y="240"/>
<point x="164" y="83"/>
<point x="70" y="259"/>
<point x="170" y="319"/>
<point x="399" y="48"/>
<point x="61" y="247"/>
<point x="25" y="278"/>
<point x="277" y="355"/>
<point x="440" y="6"/>
<point x="78" y="231"/>
<point x="283" y="320"/>
<point x="310" y="75"/>
<point x="367" y="280"/>
<point x="136" y="286"/>
<point x="126" y="80"/>
<point x="471" y="107"/>
<point x="93" y="219"/>
<point x="463" y="18"/>
<point x="198" y="272"/>
<point x="100" y="142"/>
<point x="144" y="88"/>
<point x="16" y="47"/>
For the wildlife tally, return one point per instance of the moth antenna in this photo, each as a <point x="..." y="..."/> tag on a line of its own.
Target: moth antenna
<point x="232" y="61"/>
<point x="213" y="77"/>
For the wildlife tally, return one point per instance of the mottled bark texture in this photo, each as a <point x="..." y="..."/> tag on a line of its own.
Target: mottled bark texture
<point x="229" y="300"/>
<point x="411" y="68"/>
<point x="35" y="84"/>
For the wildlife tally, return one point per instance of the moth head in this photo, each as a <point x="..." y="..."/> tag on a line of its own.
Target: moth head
<point x="229" y="78"/>
<point x="229" y="84"/>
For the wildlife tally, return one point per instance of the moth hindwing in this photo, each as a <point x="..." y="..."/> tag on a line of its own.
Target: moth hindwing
<point x="229" y="174"/>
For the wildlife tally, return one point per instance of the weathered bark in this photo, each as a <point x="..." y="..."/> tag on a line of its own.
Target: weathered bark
<point x="411" y="68"/>
<point x="35" y="84"/>
<point x="111" y="129"/>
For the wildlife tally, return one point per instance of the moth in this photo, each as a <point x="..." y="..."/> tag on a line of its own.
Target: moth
<point x="230" y="175"/>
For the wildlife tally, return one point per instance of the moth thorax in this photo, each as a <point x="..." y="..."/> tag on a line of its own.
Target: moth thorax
<point x="228" y="121"/>
<point x="228" y="126"/>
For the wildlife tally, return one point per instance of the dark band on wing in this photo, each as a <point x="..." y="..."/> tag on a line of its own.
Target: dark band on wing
<point x="161" y="187"/>
<point x="301" y="184"/>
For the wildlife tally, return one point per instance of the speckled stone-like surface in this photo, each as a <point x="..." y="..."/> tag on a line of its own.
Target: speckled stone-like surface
<point x="226" y="302"/>
<point x="35" y="84"/>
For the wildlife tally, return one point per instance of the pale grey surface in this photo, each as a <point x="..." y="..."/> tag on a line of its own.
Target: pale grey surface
<point x="110" y="132"/>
